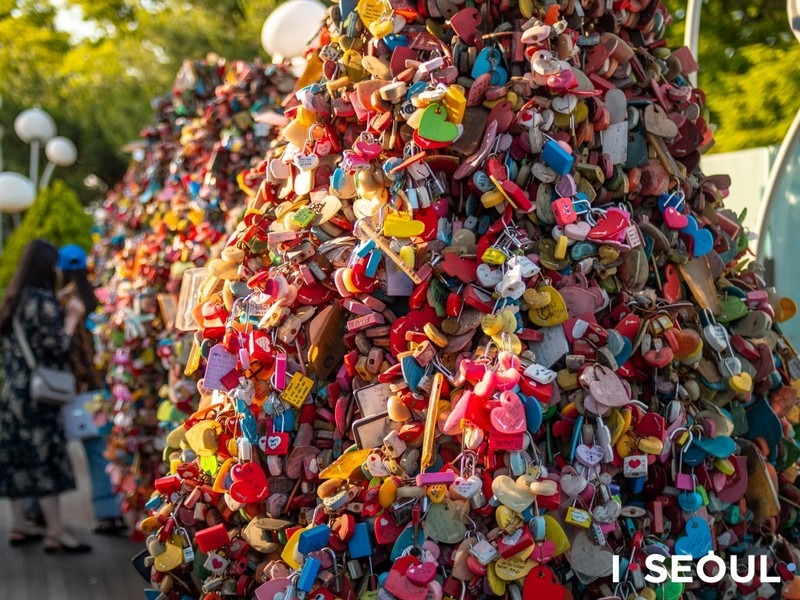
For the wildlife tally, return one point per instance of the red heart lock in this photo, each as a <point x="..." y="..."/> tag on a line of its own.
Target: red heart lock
<point x="421" y="574"/>
<point x="541" y="582"/>
<point x="386" y="530"/>
<point x="611" y="226"/>
<point x="249" y="483"/>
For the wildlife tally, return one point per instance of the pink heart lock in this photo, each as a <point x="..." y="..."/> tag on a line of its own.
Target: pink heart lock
<point x="368" y="148"/>
<point x="674" y="219"/>
<point x="509" y="416"/>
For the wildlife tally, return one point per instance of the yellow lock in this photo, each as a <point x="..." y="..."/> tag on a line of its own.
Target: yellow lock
<point x="741" y="383"/>
<point x="401" y="225"/>
<point x="508" y="341"/>
<point x="561" y="248"/>
<point x="555" y="533"/>
<point x="508" y="520"/>
<point x="347" y="465"/>
<point x="724" y="466"/>
<point x="625" y="446"/>
<point x="553" y="313"/>
<point x="434" y="335"/>
<point x="305" y="116"/>
<point x="380" y="29"/>
<point x="567" y="380"/>
<point x="492" y="324"/>
<point x="536" y="298"/>
<point x="496" y="585"/>
<point x="511" y="569"/>
<point x="493" y="256"/>
<point x="509" y="321"/>
<point x="578" y="517"/>
<point x="149" y="525"/>
<point x="203" y="438"/>
<point x="387" y="494"/>
<point x="651" y="445"/>
<point x="455" y="102"/>
<point x="171" y="558"/>
<point x="492" y="198"/>
<point x="407" y="256"/>
<point x="288" y="553"/>
<point x="436" y="493"/>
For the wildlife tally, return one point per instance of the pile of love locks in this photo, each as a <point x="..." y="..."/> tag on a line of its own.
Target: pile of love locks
<point x="160" y="221"/>
<point x="484" y="329"/>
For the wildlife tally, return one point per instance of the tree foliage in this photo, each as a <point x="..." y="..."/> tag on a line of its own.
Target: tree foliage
<point x="749" y="68"/>
<point x="57" y="216"/>
<point x="99" y="86"/>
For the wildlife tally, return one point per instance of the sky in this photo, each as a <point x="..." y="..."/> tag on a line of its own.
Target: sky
<point x="70" y="19"/>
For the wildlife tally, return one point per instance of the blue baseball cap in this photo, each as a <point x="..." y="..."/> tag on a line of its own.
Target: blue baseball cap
<point x="71" y="258"/>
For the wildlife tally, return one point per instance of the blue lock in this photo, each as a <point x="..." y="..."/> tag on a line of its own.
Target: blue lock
<point x="308" y="574"/>
<point x="360" y="544"/>
<point x="373" y="262"/>
<point x="313" y="539"/>
<point x="557" y="158"/>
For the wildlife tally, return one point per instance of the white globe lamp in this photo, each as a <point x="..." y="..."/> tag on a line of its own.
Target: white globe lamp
<point x="290" y="26"/>
<point x="17" y="192"/>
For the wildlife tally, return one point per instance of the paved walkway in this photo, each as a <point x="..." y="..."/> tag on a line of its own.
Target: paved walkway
<point x="28" y="573"/>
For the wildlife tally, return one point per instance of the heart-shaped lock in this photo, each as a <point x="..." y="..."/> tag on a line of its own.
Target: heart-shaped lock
<point x="702" y="239"/>
<point x="509" y="416"/>
<point x="170" y="558"/>
<point x="588" y="560"/>
<point x="421" y="574"/>
<point x="487" y="276"/>
<point x="589" y="455"/>
<point x="398" y="584"/>
<point x="553" y="313"/>
<point x="572" y="483"/>
<point x="697" y="540"/>
<point x="542" y="582"/>
<point x="434" y="126"/>
<point x="306" y="162"/>
<point x="674" y="219"/>
<point x="466" y="487"/>
<point x="513" y="496"/>
<point x="249" y="483"/>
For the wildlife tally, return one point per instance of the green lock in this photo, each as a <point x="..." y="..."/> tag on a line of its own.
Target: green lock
<point x="703" y="494"/>
<point x="303" y="217"/>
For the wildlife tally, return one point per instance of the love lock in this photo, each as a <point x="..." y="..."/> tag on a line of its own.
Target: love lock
<point x="456" y="332"/>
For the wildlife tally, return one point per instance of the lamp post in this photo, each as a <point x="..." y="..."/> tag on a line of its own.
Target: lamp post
<point x="35" y="127"/>
<point x="17" y="192"/>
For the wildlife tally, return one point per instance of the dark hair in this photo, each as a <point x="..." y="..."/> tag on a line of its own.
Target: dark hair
<point x="83" y="286"/>
<point x="36" y="268"/>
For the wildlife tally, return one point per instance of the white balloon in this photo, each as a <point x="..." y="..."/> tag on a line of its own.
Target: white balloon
<point x="290" y="26"/>
<point x="61" y="151"/>
<point x="17" y="192"/>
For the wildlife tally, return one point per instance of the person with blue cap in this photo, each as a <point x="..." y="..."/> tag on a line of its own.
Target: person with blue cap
<point x="72" y="263"/>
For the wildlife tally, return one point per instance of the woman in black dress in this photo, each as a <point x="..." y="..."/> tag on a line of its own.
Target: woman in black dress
<point x="33" y="451"/>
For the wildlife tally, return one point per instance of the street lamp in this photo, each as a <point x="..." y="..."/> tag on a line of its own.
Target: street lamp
<point x="60" y="152"/>
<point x="17" y="192"/>
<point x="35" y="127"/>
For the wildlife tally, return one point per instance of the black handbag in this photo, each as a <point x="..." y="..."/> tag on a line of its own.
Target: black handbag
<point x="48" y="386"/>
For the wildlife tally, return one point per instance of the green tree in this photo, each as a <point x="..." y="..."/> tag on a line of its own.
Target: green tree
<point x="57" y="216"/>
<point x="749" y="68"/>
